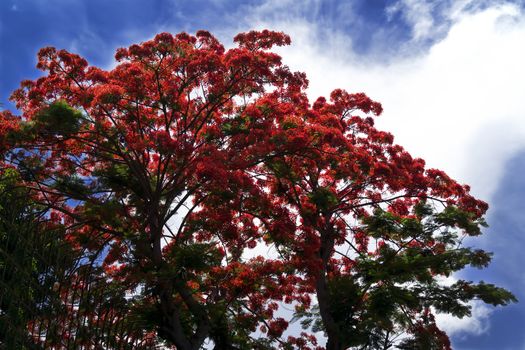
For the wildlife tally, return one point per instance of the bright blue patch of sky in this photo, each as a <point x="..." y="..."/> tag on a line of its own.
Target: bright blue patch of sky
<point x="95" y="28"/>
<point x="370" y="26"/>
<point x="506" y="239"/>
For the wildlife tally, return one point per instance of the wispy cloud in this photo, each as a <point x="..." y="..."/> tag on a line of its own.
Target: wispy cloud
<point x="457" y="105"/>
<point x="419" y="14"/>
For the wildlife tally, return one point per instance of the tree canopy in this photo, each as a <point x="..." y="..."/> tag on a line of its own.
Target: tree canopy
<point x="206" y="187"/>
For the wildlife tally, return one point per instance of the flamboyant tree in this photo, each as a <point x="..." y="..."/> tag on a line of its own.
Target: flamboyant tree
<point x="175" y="164"/>
<point x="374" y="230"/>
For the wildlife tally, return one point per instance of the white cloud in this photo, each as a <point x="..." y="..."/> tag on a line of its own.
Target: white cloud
<point x="459" y="105"/>
<point x="478" y="323"/>
<point x="417" y="13"/>
<point x="475" y="325"/>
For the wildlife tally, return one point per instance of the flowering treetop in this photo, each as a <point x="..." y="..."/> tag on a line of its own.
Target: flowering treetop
<point x="174" y="164"/>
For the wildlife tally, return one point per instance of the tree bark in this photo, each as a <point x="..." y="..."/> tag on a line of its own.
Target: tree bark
<point x="171" y="324"/>
<point x="323" y="298"/>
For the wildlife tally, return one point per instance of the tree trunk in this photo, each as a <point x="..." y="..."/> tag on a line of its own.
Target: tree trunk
<point x="323" y="298"/>
<point x="330" y="326"/>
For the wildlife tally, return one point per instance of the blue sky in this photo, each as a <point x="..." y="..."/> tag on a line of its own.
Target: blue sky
<point x="450" y="75"/>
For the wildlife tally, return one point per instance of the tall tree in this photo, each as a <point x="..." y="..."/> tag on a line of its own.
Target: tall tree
<point x="376" y="230"/>
<point x="176" y="163"/>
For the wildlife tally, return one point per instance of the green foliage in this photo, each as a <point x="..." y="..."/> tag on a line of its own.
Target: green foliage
<point x="281" y="169"/>
<point x="454" y="217"/>
<point x="29" y="166"/>
<point x="237" y="125"/>
<point x="323" y="198"/>
<point x="198" y="257"/>
<point x="58" y="118"/>
<point x="371" y="304"/>
<point x="73" y="185"/>
<point x="31" y="258"/>
<point x="288" y="124"/>
<point x="488" y="293"/>
<point x="119" y="178"/>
